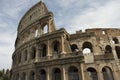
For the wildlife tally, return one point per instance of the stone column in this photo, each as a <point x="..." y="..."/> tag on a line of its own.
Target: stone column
<point x="100" y="75"/>
<point x="64" y="73"/>
<point x="62" y="45"/>
<point x="48" y="73"/>
<point x="37" y="53"/>
<point x="82" y="71"/>
<point x="48" y="48"/>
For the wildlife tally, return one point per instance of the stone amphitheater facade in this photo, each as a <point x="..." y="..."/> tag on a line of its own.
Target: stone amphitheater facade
<point x="44" y="53"/>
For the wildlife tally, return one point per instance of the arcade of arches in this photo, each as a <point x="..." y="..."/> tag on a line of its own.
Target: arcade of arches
<point x="72" y="73"/>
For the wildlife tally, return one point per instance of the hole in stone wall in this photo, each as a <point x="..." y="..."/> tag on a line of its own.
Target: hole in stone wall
<point x="36" y="33"/>
<point x="86" y="51"/>
<point x="87" y="48"/>
<point x="56" y="47"/>
<point x="42" y="75"/>
<point x="44" y="50"/>
<point x="45" y="30"/>
<point x="56" y="74"/>
<point x="117" y="48"/>
<point x="73" y="73"/>
<point x="74" y="48"/>
<point x="107" y="73"/>
<point x="115" y="40"/>
<point x="108" y="49"/>
<point x="92" y="73"/>
<point x="103" y="32"/>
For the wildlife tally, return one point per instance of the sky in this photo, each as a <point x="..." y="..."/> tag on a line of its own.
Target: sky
<point x="73" y="15"/>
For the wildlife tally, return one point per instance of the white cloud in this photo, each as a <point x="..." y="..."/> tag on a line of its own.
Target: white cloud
<point x="102" y="16"/>
<point x="6" y="49"/>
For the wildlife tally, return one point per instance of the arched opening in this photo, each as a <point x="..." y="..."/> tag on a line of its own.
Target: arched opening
<point x="45" y="29"/>
<point x="107" y="73"/>
<point x="44" y="50"/>
<point x="73" y="73"/>
<point x="17" y="77"/>
<point x="36" y="33"/>
<point x="23" y="76"/>
<point x="108" y="49"/>
<point x="32" y="75"/>
<point x="56" y="47"/>
<point x="57" y="74"/>
<point x="86" y="50"/>
<point x="117" y="48"/>
<point x="103" y="32"/>
<point x="87" y="47"/>
<point x="92" y="74"/>
<point x="19" y="58"/>
<point x="115" y="40"/>
<point x="33" y="53"/>
<point x="25" y="55"/>
<point x="42" y="75"/>
<point x="74" y="48"/>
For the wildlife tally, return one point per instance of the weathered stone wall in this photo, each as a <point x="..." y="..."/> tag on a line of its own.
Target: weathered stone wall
<point x="55" y="53"/>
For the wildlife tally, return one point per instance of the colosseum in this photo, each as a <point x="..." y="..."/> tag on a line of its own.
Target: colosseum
<point x="43" y="52"/>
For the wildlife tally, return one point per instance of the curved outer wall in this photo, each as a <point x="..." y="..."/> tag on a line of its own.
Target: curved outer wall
<point x="44" y="53"/>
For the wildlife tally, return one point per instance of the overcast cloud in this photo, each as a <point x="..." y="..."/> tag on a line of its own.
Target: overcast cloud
<point x="71" y="14"/>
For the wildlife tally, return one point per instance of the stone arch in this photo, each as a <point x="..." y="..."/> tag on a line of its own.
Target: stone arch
<point x="33" y="53"/>
<point x="43" y="50"/>
<point x="36" y="33"/>
<point x="87" y="47"/>
<point x="25" y="55"/>
<point x="42" y="75"/>
<point x="19" y="58"/>
<point x="44" y="28"/>
<point x="26" y="52"/>
<point x="117" y="48"/>
<point x="115" y="40"/>
<point x="17" y="76"/>
<point x="73" y="73"/>
<point x="32" y="75"/>
<point x="107" y="73"/>
<point x="56" y="74"/>
<point x="56" y="47"/>
<point x="23" y="76"/>
<point x="74" y="48"/>
<point x="15" y="59"/>
<point x="108" y="49"/>
<point x="92" y="74"/>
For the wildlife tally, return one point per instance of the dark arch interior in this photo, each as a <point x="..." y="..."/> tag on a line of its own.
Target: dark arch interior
<point x="32" y="75"/>
<point x="25" y="57"/>
<point x="73" y="73"/>
<point x="115" y="40"/>
<point x="87" y="45"/>
<point x="19" y="58"/>
<point x="33" y="54"/>
<point x="107" y="73"/>
<point x="56" y="46"/>
<point x="42" y="75"/>
<point x="117" y="48"/>
<point x="108" y="49"/>
<point x="44" y="50"/>
<point x="57" y="74"/>
<point x="92" y="73"/>
<point x="74" y="47"/>
<point x="23" y="76"/>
